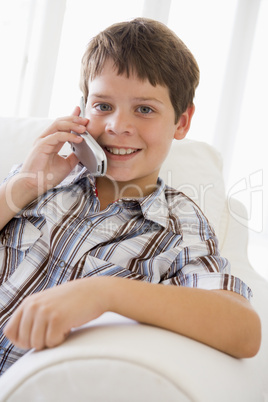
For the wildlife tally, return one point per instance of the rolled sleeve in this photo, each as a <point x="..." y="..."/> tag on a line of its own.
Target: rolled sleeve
<point x="210" y="272"/>
<point x="211" y="281"/>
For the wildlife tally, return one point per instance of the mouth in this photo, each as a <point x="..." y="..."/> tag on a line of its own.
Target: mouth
<point x="121" y="151"/>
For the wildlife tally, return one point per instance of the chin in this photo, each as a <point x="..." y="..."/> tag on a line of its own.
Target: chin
<point x="121" y="176"/>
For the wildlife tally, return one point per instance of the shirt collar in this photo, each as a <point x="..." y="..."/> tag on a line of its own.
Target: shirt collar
<point x="154" y="206"/>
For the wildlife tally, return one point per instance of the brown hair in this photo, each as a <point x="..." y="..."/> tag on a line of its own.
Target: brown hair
<point x="149" y="49"/>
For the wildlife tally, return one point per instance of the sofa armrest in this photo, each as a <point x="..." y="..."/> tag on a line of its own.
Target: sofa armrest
<point x="119" y="359"/>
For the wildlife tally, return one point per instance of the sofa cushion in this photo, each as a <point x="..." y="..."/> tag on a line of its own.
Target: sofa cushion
<point x="17" y="136"/>
<point x="195" y="168"/>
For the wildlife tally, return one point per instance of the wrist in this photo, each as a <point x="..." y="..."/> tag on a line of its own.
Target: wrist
<point x="19" y="193"/>
<point x="105" y="287"/>
<point x="122" y="296"/>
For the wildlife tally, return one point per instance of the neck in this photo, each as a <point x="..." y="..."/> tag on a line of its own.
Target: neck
<point x="112" y="190"/>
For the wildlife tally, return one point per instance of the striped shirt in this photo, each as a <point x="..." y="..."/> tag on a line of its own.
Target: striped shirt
<point x="62" y="235"/>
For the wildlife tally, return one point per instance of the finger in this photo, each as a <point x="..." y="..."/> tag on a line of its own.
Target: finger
<point x="55" y="333"/>
<point x="11" y="329"/>
<point x="18" y="328"/>
<point x="76" y="111"/>
<point x="24" y="330"/>
<point x="69" y="123"/>
<point x="73" y="123"/>
<point x="38" y="332"/>
<point x="58" y="139"/>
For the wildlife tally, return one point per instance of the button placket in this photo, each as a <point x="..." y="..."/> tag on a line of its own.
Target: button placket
<point x="88" y="224"/>
<point x="62" y="264"/>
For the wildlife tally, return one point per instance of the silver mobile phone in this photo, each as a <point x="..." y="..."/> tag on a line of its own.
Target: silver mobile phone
<point x="89" y="153"/>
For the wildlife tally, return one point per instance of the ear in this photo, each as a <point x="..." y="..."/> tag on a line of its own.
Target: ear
<point x="184" y="123"/>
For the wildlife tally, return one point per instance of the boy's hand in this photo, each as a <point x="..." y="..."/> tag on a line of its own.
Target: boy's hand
<point x="46" y="318"/>
<point x="44" y="168"/>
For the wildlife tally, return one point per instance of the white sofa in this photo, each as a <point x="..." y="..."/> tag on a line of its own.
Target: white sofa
<point x="117" y="359"/>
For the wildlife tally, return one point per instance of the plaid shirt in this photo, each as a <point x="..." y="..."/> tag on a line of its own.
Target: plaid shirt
<point x="62" y="235"/>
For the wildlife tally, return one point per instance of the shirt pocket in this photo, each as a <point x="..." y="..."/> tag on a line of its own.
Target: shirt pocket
<point x="20" y="234"/>
<point x="16" y="240"/>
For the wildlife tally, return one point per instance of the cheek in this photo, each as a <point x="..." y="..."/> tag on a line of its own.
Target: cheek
<point x="94" y="127"/>
<point x="158" y="152"/>
<point x="161" y="146"/>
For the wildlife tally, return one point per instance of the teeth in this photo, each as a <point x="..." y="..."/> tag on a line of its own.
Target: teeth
<point x="121" y="151"/>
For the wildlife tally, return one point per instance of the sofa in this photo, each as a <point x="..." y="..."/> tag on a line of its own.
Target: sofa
<point x="117" y="359"/>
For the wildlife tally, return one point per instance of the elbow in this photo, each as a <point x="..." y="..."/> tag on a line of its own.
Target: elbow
<point x="250" y="341"/>
<point x="255" y="344"/>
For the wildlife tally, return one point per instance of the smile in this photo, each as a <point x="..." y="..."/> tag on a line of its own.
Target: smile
<point x="121" y="151"/>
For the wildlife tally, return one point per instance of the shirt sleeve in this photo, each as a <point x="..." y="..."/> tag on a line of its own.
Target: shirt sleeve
<point x="15" y="170"/>
<point x="208" y="280"/>
<point x="198" y="262"/>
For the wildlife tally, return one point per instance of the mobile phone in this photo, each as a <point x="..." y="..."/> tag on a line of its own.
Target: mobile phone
<point x="89" y="152"/>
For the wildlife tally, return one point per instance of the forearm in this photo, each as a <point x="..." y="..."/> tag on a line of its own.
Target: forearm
<point x="221" y="319"/>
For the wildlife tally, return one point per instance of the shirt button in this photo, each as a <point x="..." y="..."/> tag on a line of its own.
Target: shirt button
<point x="6" y="237"/>
<point x="62" y="263"/>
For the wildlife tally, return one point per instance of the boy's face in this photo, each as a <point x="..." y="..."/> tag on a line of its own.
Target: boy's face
<point x="133" y="122"/>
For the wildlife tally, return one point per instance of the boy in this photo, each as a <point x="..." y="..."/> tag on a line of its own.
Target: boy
<point x="92" y="236"/>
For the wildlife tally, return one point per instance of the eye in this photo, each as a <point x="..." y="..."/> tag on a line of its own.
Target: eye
<point x="145" y="109"/>
<point x="103" y="107"/>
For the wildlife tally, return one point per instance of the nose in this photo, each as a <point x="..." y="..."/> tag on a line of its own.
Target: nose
<point x="119" y="123"/>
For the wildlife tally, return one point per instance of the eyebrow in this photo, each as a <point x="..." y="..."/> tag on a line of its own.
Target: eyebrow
<point x="137" y="99"/>
<point x="146" y="99"/>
